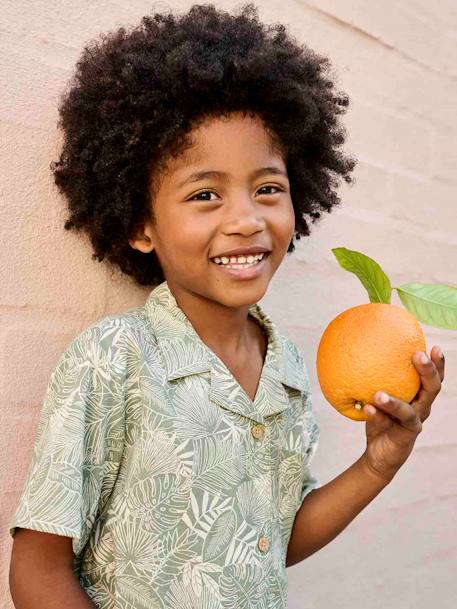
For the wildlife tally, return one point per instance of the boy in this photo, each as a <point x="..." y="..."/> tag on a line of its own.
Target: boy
<point x="171" y="465"/>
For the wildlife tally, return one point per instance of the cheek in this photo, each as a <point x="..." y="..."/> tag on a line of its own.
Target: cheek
<point x="286" y="224"/>
<point x="292" y="219"/>
<point x="189" y="241"/>
<point x="194" y="232"/>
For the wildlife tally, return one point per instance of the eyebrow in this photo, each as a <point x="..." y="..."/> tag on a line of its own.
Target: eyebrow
<point x="201" y="175"/>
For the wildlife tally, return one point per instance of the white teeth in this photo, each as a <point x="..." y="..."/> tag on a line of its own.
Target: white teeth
<point x="240" y="259"/>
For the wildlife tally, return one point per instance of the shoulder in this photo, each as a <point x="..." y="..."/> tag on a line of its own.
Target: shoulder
<point x="291" y="347"/>
<point x="107" y="343"/>
<point x="294" y="361"/>
<point x="115" y="331"/>
<point x="291" y="352"/>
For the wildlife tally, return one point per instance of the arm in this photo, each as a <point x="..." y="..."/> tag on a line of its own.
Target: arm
<point x="72" y="440"/>
<point x="327" y="511"/>
<point x="41" y="573"/>
<point x="392" y="428"/>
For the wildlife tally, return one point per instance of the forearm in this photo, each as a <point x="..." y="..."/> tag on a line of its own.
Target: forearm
<point x="327" y="511"/>
<point x="37" y="588"/>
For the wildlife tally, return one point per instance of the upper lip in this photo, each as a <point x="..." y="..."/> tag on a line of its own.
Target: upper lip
<point x="253" y="249"/>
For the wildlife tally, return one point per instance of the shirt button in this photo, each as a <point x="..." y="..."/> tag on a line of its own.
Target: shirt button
<point x="264" y="544"/>
<point x="257" y="431"/>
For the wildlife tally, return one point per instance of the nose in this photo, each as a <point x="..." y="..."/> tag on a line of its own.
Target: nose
<point x="245" y="215"/>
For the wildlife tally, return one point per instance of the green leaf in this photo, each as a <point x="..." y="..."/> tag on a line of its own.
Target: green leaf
<point x="432" y="304"/>
<point x="368" y="271"/>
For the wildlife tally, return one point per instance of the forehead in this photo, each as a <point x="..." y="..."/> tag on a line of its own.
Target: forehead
<point x="236" y="140"/>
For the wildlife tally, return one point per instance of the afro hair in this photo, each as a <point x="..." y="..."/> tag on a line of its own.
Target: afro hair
<point x="136" y="95"/>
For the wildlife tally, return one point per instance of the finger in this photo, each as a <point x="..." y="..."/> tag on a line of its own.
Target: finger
<point x="437" y="356"/>
<point x="430" y="382"/>
<point x="377" y="420"/>
<point x="405" y="413"/>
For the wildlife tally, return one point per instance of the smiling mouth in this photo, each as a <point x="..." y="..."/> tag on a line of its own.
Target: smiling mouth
<point x="240" y="262"/>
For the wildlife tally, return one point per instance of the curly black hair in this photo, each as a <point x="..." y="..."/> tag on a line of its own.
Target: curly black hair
<point x="136" y="95"/>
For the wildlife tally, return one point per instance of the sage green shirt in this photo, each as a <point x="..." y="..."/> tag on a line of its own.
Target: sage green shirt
<point x="177" y="489"/>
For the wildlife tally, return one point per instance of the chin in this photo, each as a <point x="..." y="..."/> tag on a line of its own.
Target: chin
<point x="242" y="294"/>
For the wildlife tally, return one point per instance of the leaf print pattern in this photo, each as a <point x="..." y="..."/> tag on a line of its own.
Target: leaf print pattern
<point x="158" y="501"/>
<point x="194" y="413"/>
<point x="216" y="462"/>
<point x="134" y="551"/>
<point x="205" y="509"/>
<point x="134" y="593"/>
<point x="219" y="536"/>
<point x="277" y="592"/>
<point x="251" y="504"/>
<point x="145" y="457"/>
<point x="159" y="456"/>
<point x="243" y="586"/>
<point x="241" y="545"/>
<point x="198" y="576"/>
<point x="178" y="548"/>
<point x="184" y="596"/>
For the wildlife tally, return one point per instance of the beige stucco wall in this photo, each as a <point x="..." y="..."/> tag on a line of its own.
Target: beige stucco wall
<point x="398" y="62"/>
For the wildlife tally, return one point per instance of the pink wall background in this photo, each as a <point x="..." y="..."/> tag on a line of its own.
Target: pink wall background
<point x="397" y="60"/>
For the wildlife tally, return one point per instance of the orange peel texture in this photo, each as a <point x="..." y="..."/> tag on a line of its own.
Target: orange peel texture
<point x="366" y="349"/>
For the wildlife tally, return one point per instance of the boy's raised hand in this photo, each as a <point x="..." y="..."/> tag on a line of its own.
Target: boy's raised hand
<point x="392" y="430"/>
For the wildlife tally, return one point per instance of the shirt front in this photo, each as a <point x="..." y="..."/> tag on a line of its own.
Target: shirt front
<point x="178" y="490"/>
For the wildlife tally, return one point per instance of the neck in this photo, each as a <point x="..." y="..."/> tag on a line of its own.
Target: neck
<point x="225" y="330"/>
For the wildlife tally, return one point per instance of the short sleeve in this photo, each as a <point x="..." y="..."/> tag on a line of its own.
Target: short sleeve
<point x="79" y="440"/>
<point x="312" y="432"/>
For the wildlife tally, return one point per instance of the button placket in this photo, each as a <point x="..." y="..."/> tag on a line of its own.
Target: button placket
<point x="263" y="544"/>
<point x="258" y="431"/>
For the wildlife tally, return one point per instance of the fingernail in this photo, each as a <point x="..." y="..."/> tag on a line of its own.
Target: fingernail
<point x="382" y="397"/>
<point x="423" y="358"/>
<point x="440" y="353"/>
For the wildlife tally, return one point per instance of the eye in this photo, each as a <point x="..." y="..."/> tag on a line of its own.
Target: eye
<point x="271" y="186"/>
<point x="212" y="192"/>
<point x="202" y="192"/>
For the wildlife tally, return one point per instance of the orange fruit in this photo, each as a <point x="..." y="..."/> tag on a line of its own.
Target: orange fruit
<point x="366" y="349"/>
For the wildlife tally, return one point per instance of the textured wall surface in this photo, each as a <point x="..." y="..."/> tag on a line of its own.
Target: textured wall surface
<point x="397" y="60"/>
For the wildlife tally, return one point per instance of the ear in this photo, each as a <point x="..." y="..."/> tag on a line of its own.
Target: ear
<point x="144" y="239"/>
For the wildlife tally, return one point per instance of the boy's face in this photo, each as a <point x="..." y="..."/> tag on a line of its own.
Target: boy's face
<point x="192" y="227"/>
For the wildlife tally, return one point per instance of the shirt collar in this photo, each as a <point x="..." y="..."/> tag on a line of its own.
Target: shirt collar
<point x="185" y="353"/>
